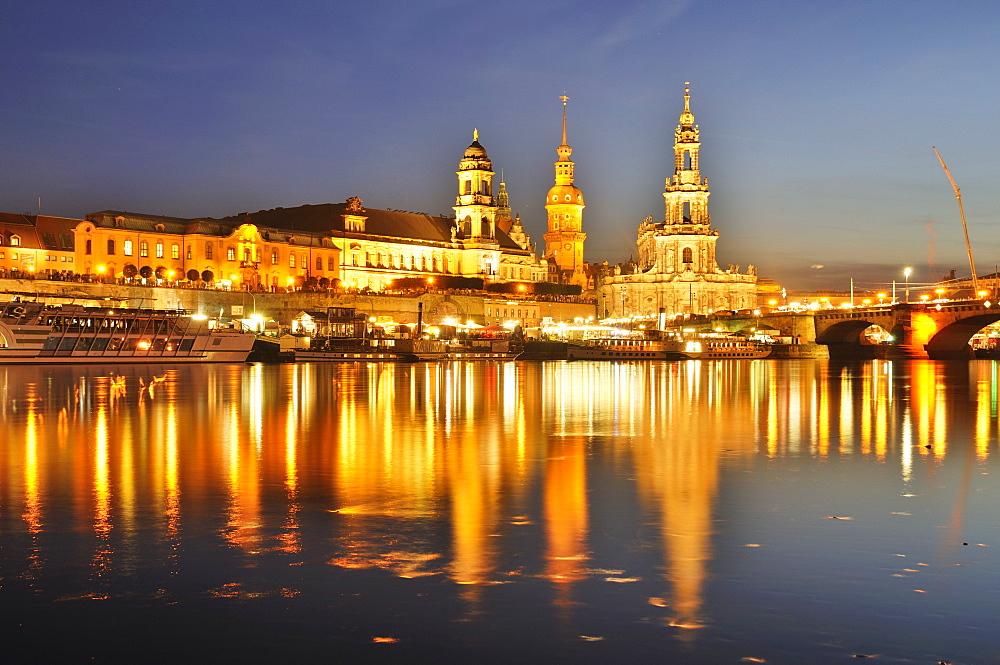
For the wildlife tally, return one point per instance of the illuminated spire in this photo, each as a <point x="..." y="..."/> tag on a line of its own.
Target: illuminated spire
<point x="564" y="151"/>
<point x="475" y="135"/>
<point x="564" y="99"/>
<point x="687" y="118"/>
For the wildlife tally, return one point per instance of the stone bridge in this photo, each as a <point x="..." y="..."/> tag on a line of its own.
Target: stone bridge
<point x="919" y="330"/>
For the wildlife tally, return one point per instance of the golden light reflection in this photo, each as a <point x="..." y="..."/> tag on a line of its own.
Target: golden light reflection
<point x="171" y="471"/>
<point x="102" y="525"/>
<point x="476" y="473"/>
<point x="566" y="515"/>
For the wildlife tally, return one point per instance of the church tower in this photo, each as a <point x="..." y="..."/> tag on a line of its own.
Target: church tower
<point x="685" y="242"/>
<point x="676" y="272"/>
<point x="564" y="205"/>
<point x="503" y="218"/>
<point x="475" y="208"/>
<point x="686" y="192"/>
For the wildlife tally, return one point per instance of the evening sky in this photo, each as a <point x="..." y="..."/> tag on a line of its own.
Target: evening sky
<point x="817" y="118"/>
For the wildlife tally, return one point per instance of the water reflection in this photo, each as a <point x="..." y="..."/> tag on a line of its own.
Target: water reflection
<point x="480" y="474"/>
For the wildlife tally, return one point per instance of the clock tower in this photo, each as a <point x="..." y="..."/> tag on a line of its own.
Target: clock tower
<point x="564" y="207"/>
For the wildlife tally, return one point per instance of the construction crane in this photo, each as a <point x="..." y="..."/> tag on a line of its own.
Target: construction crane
<point x="965" y="228"/>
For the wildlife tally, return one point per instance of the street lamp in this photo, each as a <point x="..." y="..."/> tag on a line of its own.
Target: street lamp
<point x="906" y="274"/>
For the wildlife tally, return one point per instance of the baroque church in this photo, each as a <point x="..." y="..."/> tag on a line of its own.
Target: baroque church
<point x="676" y="272"/>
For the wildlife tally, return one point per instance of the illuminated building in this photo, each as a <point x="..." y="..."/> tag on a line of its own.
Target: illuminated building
<point x="30" y="243"/>
<point x="317" y="244"/>
<point x="677" y="271"/>
<point x="232" y="251"/>
<point x="564" y="207"/>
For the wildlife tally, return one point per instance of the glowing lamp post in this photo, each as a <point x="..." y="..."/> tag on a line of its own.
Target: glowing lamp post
<point x="906" y="291"/>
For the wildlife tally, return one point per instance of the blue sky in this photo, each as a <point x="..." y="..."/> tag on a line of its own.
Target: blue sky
<point x="817" y="118"/>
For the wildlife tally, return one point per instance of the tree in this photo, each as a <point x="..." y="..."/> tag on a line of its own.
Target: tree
<point x="145" y="272"/>
<point x="130" y="271"/>
<point x="207" y="276"/>
<point x="193" y="275"/>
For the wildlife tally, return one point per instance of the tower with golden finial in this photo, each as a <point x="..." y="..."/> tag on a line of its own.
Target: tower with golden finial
<point x="676" y="271"/>
<point x="475" y="207"/>
<point x="686" y="192"/>
<point x="564" y="207"/>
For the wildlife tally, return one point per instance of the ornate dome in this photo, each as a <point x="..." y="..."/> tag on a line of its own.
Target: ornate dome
<point x="564" y="194"/>
<point x="475" y="150"/>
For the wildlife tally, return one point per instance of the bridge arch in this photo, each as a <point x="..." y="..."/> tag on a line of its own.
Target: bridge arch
<point x="952" y="341"/>
<point x="844" y="332"/>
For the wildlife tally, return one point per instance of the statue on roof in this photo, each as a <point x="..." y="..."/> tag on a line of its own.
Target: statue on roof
<point x="354" y="204"/>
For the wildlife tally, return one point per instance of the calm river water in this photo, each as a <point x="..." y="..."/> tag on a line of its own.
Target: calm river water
<point x="674" y="512"/>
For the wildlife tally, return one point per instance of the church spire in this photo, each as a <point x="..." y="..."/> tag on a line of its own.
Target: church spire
<point x="564" y="99"/>
<point x="564" y="207"/>
<point x="687" y="118"/>
<point x="686" y="192"/>
<point x="504" y="221"/>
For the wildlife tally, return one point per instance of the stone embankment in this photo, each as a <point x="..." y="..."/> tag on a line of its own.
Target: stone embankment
<point x="280" y="307"/>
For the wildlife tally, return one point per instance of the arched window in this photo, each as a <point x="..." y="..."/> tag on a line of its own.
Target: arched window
<point x="175" y="251"/>
<point x="208" y="251"/>
<point x="330" y="264"/>
<point x="686" y="255"/>
<point x="15" y="241"/>
<point x="143" y="248"/>
<point x="246" y="254"/>
<point x="319" y="263"/>
<point x="231" y="253"/>
<point x="274" y="257"/>
<point x="291" y="260"/>
<point x="88" y="247"/>
<point x="127" y="247"/>
<point x="111" y="246"/>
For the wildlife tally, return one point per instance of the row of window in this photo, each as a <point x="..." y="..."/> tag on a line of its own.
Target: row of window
<point x="128" y="249"/>
<point x="15" y="240"/>
<point x="505" y="312"/>
<point x="15" y="256"/>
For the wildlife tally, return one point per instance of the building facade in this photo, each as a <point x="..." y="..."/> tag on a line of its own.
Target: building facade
<point x="333" y="244"/>
<point x="35" y="244"/>
<point x="676" y="271"/>
<point x="564" y="210"/>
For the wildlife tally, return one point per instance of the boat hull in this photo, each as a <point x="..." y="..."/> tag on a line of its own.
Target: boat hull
<point x="38" y="334"/>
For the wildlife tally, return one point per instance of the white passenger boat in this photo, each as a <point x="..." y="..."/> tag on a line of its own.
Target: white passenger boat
<point x="712" y="347"/>
<point x="37" y="333"/>
<point x="619" y="348"/>
<point x="707" y="347"/>
<point x="403" y="350"/>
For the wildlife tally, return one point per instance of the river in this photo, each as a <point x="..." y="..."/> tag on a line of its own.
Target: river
<point x="686" y="512"/>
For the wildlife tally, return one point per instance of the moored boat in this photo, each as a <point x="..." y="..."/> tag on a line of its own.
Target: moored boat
<point x="712" y="347"/>
<point x="388" y="349"/>
<point x="669" y="347"/>
<point x="39" y="333"/>
<point x="619" y="348"/>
